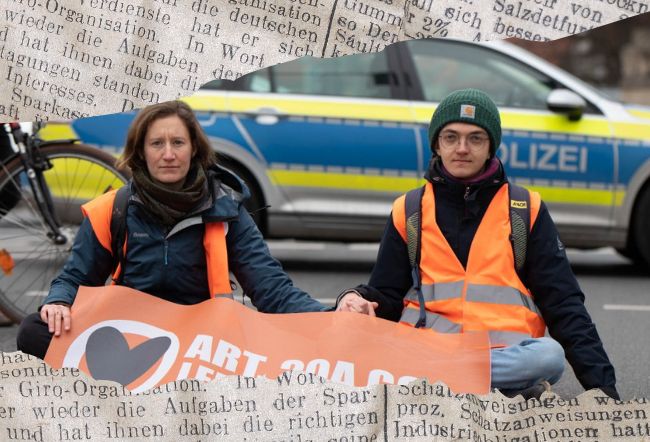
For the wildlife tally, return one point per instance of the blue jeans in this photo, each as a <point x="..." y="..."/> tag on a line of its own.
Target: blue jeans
<point x="527" y="364"/>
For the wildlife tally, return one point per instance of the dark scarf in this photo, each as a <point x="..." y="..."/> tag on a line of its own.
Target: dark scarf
<point x="170" y="206"/>
<point x="491" y="167"/>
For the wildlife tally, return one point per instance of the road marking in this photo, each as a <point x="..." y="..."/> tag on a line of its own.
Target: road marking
<point x="295" y="245"/>
<point x="627" y="307"/>
<point x="364" y="246"/>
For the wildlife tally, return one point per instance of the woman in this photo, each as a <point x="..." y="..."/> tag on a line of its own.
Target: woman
<point x="467" y="268"/>
<point x="186" y="229"/>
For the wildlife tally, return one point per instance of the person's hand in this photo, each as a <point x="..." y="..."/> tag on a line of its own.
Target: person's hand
<point x="352" y="302"/>
<point x="57" y="317"/>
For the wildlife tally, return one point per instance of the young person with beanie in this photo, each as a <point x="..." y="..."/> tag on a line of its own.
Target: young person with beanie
<point x="467" y="268"/>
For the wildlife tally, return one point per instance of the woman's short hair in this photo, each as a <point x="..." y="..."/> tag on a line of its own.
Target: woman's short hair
<point x="133" y="155"/>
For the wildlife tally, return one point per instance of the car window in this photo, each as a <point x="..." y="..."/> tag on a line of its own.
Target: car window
<point x="257" y="81"/>
<point x="443" y="67"/>
<point x="364" y="75"/>
<point x="215" y="84"/>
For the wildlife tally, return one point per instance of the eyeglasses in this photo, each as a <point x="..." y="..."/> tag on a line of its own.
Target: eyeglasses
<point x="451" y="140"/>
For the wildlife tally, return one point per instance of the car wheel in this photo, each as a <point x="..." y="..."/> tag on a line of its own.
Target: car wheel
<point x="641" y="232"/>
<point x="255" y="204"/>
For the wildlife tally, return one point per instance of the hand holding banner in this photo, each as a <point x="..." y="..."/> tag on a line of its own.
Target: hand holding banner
<point x="141" y="341"/>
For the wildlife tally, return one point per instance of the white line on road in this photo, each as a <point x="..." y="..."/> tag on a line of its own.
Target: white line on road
<point x="364" y="246"/>
<point x="295" y="245"/>
<point x="627" y="307"/>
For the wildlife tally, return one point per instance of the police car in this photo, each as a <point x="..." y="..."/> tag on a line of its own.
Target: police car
<point x="327" y="144"/>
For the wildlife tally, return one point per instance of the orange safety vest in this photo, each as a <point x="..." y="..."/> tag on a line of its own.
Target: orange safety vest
<point x="99" y="212"/>
<point x="488" y="294"/>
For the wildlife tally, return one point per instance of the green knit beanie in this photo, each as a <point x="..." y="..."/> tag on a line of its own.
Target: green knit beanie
<point x="467" y="106"/>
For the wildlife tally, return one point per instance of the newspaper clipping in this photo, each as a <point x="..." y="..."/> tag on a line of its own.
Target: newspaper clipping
<point x="66" y="60"/>
<point x="72" y="59"/>
<point x="42" y="404"/>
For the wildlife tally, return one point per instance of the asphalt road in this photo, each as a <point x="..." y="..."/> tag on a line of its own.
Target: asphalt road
<point x="617" y="297"/>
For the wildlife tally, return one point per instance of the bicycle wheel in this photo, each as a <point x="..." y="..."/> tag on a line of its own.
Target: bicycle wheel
<point x="29" y="259"/>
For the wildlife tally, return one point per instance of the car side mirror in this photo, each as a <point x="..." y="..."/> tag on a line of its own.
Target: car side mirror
<point x="564" y="101"/>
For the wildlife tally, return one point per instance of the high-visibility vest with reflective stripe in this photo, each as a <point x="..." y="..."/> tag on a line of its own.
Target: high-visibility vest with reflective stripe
<point x="488" y="294"/>
<point x="99" y="212"/>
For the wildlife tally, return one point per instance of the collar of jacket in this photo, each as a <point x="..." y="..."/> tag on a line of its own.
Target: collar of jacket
<point x="437" y="177"/>
<point x="228" y="193"/>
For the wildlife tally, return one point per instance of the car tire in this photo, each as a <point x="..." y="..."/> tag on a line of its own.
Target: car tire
<point x="255" y="204"/>
<point x="641" y="232"/>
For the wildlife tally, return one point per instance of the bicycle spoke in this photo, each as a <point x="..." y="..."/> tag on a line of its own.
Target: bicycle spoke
<point x="29" y="208"/>
<point x="83" y="180"/>
<point x="56" y="174"/>
<point x="7" y="238"/>
<point x="55" y="251"/>
<point x="71" y="182"/>
<point x="79" y="174"/>
<point x="42" y="283"/>
<point x="24" y="225"/>
<point x="67" y="183"/>
<point x="24" y="197"/>
<point x="31" y="305"/>
<point x="29" y="268"/>
<point x="23" y="222"/>
<point x="17" y="185"/>
<point x="18" y="277"/>
<point x="99" y="189"/>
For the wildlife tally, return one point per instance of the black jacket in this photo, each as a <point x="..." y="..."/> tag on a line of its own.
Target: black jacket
<point x="547" y="273"/>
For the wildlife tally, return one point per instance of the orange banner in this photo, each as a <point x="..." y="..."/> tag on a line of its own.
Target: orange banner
<point x="141" y="341"/>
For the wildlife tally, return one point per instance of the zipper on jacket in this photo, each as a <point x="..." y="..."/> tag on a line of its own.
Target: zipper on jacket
<point x="466" y="212"/>
<point x="166" y="249"/>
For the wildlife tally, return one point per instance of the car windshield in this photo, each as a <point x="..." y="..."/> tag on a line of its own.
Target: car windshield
<point x="445" y="66"/>
<point x="509" y="47"/>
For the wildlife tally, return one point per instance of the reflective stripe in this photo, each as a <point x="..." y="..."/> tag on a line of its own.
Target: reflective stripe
<point x="225" y="295"/>
<point x="589" y="197"/>
<point x="500" y="295"/>
<point x="434" y="321"/>
<point x="332" y="180"/>
<point x="440" y="324"/>
<point x="507" y="338"/>
<point x="439" y="291"/>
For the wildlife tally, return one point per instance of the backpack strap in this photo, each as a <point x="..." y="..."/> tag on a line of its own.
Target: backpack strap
<point x="118" y="231"/>
<point x="413" y="215"/>
<point x="520" y="224"/>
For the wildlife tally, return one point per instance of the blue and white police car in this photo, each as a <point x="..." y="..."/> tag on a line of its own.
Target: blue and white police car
<point x="327" y="144"/>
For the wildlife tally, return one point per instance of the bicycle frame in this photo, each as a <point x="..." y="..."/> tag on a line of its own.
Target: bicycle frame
<point x="27" y="149"/>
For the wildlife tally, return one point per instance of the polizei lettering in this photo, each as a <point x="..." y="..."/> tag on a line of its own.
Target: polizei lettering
<point x="545" y="156"/>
